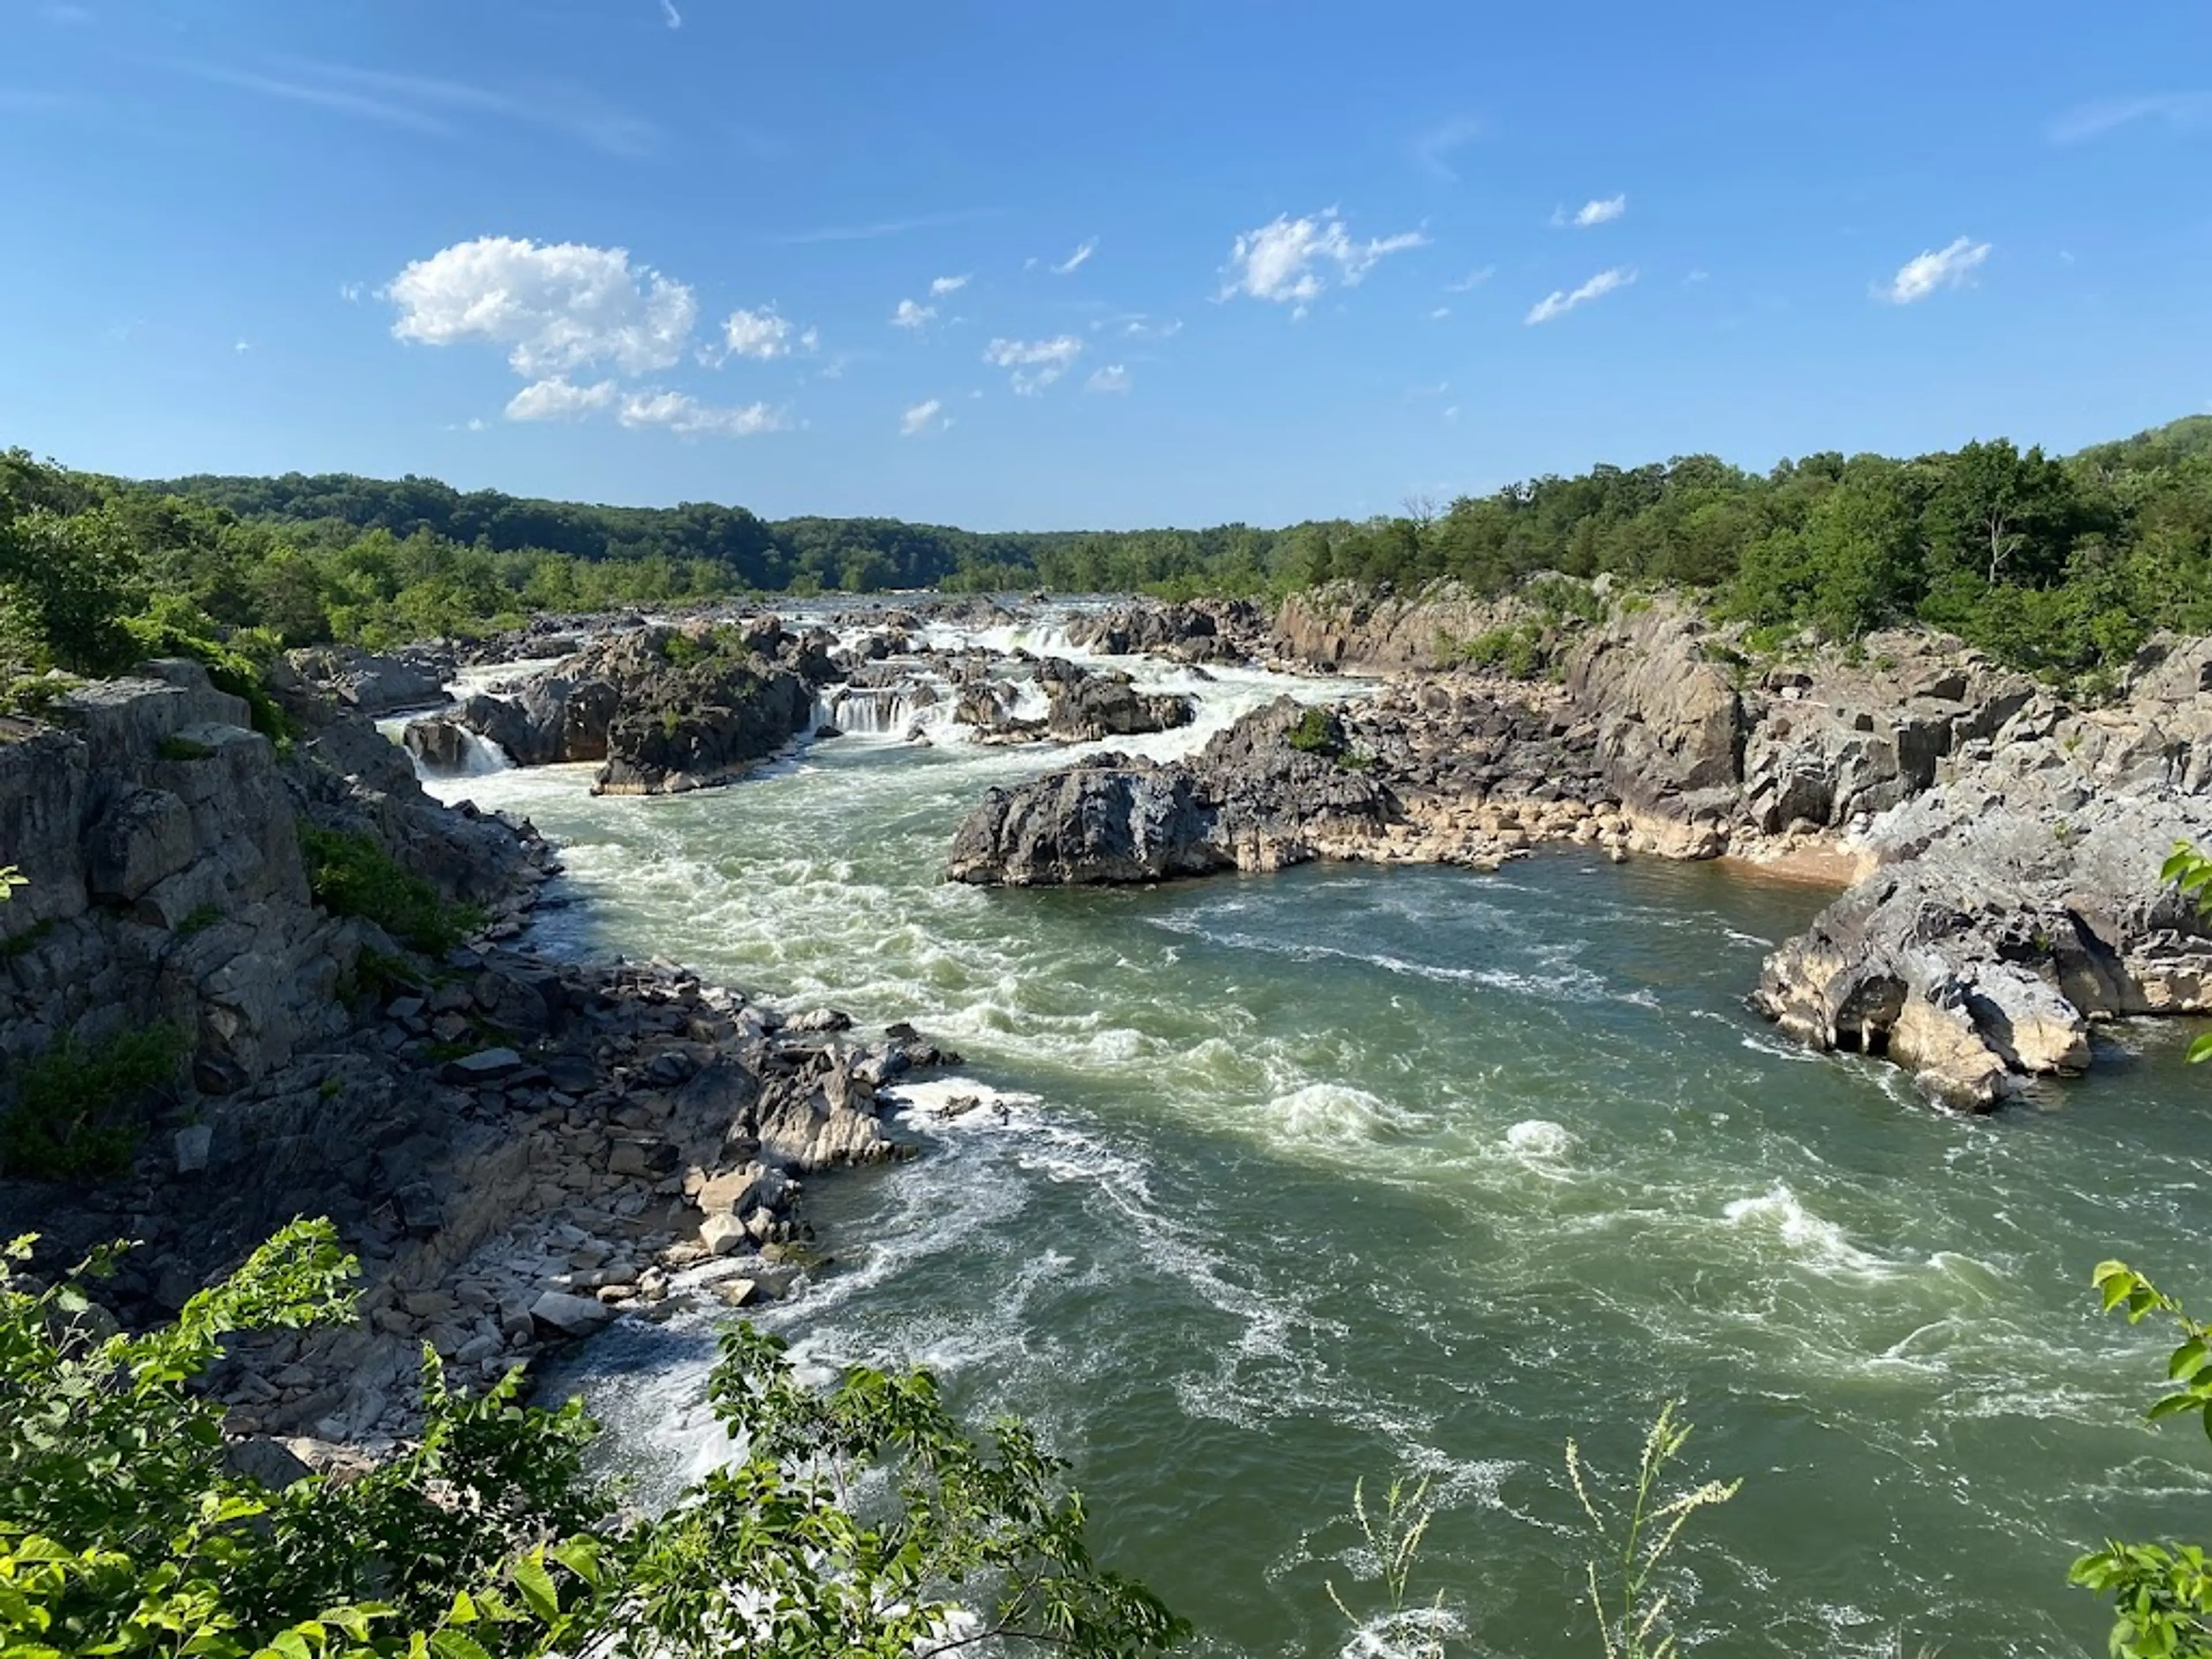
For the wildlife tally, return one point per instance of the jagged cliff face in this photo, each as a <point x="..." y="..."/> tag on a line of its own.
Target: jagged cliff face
<point x="158" y="834"/>
<point x="165" y="883"/>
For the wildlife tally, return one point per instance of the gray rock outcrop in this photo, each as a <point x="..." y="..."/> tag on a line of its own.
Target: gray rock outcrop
<point x="372" y="682"/>
<point x="2016" y="903"/>
<point x="1249" y="799"/>
<point x="663" y="709"/>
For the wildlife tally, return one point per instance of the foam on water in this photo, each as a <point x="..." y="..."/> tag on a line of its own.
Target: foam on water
<point x="1273" y="1183"/>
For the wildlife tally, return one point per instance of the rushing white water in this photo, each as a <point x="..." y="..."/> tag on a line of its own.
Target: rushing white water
<point x="1255" y="1185"/>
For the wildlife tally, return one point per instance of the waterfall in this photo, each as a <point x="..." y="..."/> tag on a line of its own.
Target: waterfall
<point x="880" y="711"/>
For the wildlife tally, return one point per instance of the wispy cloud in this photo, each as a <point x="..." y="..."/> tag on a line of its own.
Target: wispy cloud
<point x="1036" y="363"/>
<point x="912" y="314"/>
<point x="1439" y="314"/>
<point x="428" y="105"/>
<point x="1076" y="260"/>
<point x="2180" y="111"/>
<point x="351" y="292"/>
<point x="1589" y="212"/>
<point x="941" y="286"/>
<point x="923" y="417"/>
<point x="1434" y="148"/>
<point x="681" y="413"/>
<point x="1473" y="280"/>
<point x="340" y="98"/>
<point x="1115" y="379"/>
<point x="1559" y="302"/>
<point x="1922" y="274"/>
<point x="870" y="231"/>
<point x="670" y="15"/>
<point x="1294" y="261"/>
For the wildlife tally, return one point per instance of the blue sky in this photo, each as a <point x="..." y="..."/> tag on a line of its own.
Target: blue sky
<point x="1028" y="264"/>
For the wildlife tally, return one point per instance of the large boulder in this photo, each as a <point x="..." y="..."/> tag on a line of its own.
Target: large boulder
<point x="1260" y="795"/>
<point x="372" y="682"/>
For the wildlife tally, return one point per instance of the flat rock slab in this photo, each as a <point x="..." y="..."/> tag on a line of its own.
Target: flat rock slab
<point x="485" y="1065"/>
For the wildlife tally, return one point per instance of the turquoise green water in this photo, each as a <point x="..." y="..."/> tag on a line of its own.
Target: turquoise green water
<point x="1294" y="1179"/>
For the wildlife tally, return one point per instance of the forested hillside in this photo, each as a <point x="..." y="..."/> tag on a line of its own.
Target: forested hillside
<point x="2061" y="565"/>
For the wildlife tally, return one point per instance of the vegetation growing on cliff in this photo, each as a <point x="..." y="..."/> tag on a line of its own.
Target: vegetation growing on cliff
<point x="76" y="1108"/>
<point x="352" y="875"/>
<point x="124" y="1529"/>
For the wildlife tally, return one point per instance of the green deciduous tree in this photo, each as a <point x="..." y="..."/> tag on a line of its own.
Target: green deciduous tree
<point x="858" y="1520"/>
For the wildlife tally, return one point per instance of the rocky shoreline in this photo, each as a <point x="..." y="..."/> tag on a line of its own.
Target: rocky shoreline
<point x="2002" y="844"/>
<point x="519" y="1149"/>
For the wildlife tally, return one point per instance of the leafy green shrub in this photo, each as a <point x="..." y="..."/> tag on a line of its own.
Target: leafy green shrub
<point x="228" y="667"/>
<point x="33" y="694"/>
<point x="77" y="1106"/>
<point x="1557" y="599"/>
<point x="175" y="747"/>
<point x="2161" y="1594"/>
<point x="1519" y="651"/>
<point x="352" y="875"/>
<point x="198" y="919"/>
<point x="1317" y="733"/>
<point x="122" y="1532"/>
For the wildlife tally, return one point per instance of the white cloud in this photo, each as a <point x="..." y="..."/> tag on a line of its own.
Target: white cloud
<point x="1591" y="213"/>
<point x="351" y="292"/>
<point x="763" y="334"/>
<point x="425" y="104"/>
<point x="1080" y="257"/>
<point x="1036" y="363"/>
<point x="558" y="399"/>
<point x="1140" y="326"/>
<point x="1293" y="261"/>
<point x="1115" y="379"/>
<point x="1920" y="276"/>
<point x="1473" y="279"/>
<point x="680" y="412"/>
<point x="1440" y="313"/>
<point x="554" y="306"/>
<point x="921" y="417"/>
<point x="2178" y="110"/>
<point x="945" y="285"/>
<point x="1433" y="148"/>
<point x="670" y="15"/>
<point x="911" y="315"/>
<point x="1557" y="303"/>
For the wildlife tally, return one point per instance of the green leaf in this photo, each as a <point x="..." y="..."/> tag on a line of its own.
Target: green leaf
<point x="537" y="1587"/>
<point x="2187" y="1360"/>
<point x="451" y="1643"/>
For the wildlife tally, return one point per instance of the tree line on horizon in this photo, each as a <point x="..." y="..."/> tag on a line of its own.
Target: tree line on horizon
<point x="2061" y="565"/>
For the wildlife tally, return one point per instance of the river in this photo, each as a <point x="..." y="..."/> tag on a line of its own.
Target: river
<point x="1285" y="1181"/>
